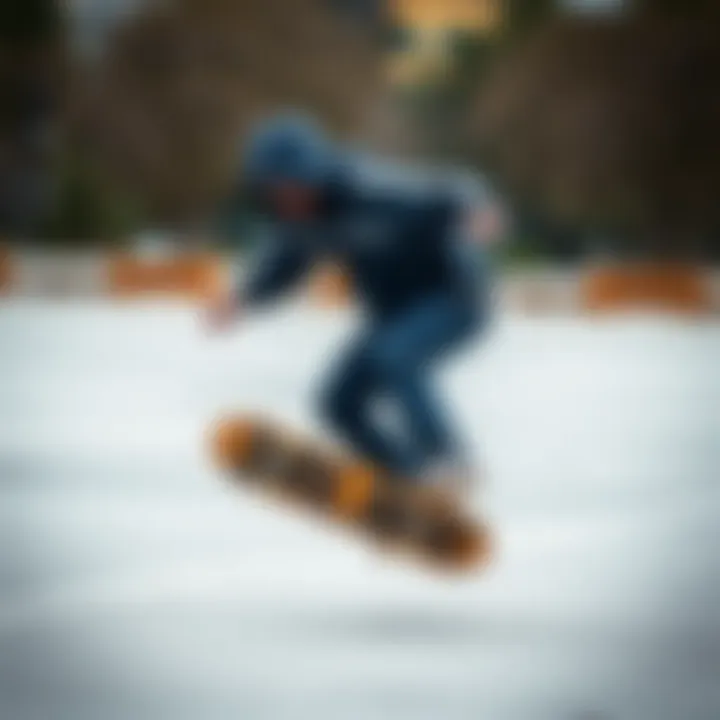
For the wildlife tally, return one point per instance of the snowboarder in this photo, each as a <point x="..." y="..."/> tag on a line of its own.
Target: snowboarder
<point x="406" y="240"/>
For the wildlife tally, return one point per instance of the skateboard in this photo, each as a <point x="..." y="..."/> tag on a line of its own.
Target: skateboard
<point x="391" y="515"/>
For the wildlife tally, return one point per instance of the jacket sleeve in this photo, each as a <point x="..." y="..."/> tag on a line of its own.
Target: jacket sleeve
<point x="281" y="262"/>
<point x="466" y="261"/>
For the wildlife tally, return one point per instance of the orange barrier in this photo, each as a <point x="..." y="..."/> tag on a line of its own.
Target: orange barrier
<point x="195" y="276"/>
<point x="6" y="279"/>
<point x="330" y="286"/>
<point x="667" y="287"/>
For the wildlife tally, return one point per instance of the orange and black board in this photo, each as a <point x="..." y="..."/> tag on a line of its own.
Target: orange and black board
<point x="388" y="514"/>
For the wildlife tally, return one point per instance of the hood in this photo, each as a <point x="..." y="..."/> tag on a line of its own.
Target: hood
<point x="288" y="147"/>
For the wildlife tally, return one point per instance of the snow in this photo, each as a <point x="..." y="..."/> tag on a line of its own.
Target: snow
<point x="136" y="583"/>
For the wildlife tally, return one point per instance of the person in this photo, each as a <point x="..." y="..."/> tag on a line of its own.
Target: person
<point x="422" y="284"/>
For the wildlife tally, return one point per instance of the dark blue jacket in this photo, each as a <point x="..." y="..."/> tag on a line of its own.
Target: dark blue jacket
<point x="401" y="242"/>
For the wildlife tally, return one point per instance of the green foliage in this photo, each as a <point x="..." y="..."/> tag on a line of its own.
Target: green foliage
<point x="521" y="252"/>
<point x="88" y="209"/>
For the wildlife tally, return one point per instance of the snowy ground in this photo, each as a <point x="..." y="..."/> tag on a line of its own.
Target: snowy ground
<point x="135" y="584"/>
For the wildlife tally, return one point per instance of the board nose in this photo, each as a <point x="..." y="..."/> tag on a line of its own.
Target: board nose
<point x="231" y="441"/>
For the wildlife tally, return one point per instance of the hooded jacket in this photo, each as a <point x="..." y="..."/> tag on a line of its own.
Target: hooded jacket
<point x="398" y="231"/>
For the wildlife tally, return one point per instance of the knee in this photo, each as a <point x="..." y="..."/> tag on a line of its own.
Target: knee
<point x="389" y="361"/>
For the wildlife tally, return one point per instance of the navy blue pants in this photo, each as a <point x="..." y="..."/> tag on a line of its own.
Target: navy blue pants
<point x="392" y="361"/>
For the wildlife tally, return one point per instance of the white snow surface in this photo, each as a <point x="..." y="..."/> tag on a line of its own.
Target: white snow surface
<point x="136" y="583"/>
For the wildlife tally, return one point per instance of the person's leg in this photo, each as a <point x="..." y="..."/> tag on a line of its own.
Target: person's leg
<point x="402" y="356"/>
<point x="347" y="401"/>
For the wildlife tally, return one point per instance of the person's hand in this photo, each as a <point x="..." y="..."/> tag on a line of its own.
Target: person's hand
<point x="222" y="313"/>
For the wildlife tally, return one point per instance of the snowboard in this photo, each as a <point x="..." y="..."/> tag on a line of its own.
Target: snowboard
<point x="392" y="516"/>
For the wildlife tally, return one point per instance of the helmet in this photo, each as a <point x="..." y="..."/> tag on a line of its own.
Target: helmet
<point x="287" y="147"/>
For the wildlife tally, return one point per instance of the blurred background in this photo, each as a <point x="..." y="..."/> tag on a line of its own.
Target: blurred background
<point x="597" y="119"/>
<point x="134" y="583"/>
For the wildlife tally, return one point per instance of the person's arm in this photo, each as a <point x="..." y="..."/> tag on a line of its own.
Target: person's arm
<point x="281" y="262"/>
<point x="464" y="258"/>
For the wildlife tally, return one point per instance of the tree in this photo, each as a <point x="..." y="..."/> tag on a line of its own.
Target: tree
<point x="180" y="83"/>
<point x="613" y="125"/>
<point x="30" y="66"/>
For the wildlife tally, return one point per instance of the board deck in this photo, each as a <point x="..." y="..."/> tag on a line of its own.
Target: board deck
<point x="391" y="515"/>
